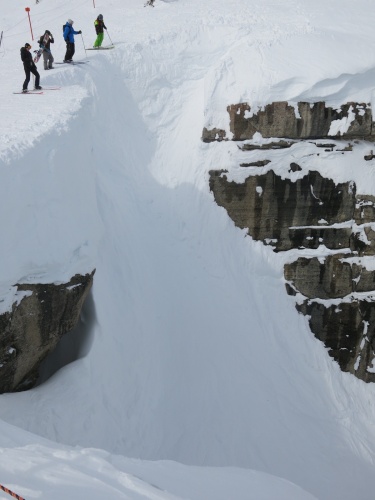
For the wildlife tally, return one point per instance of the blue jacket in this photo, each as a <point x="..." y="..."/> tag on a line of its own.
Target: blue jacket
<point x="69" y="33"/>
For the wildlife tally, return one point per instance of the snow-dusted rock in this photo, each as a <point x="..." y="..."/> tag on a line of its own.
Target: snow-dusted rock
<point x="34" y="326"/>
<point x="280" y="215"/>
<point x="301" y="120"/>
<point x="301" y="212"/>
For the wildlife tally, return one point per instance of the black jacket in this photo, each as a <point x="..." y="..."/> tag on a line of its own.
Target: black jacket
<point x="47" y="44"/>
<point x="27" y="58"/>
<point x="99" y="26"/>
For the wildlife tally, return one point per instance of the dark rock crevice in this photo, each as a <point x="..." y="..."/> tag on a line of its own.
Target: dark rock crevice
<point x="73" y="345"/>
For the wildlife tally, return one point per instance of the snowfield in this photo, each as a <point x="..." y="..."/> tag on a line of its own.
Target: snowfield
<point x="191" y="375"/>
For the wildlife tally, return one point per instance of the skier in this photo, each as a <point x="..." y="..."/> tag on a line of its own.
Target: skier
<point x="69" y="39"/>
<point x="45" y="43"/>
<point x="99" y="26"/>
<point x="29" y="67"/>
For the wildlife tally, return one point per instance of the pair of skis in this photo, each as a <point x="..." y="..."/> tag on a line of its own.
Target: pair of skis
<point x="106" y="47"/>
<point x="38" y="91"/>
<point x="73" y="63"/>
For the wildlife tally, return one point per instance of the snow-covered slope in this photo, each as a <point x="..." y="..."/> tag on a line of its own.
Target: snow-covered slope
<point x="32" y="467"/>
<point x="193" y="352"/>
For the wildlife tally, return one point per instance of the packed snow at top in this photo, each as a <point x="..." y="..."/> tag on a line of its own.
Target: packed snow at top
<point x="195" y="377"/>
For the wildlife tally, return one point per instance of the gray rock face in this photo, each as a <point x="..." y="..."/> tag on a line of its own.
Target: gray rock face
<point x="278" y="211"/>
<point x="286" y="215"/>
<point x="34" y="327"/>
<point x="331" y="278"/>
<point x="212" y="135"/>
<point x="365" y="209"/>
<point x="347" y="331"/>
<point x="337" y="291"/>
<point x="306" y="121"/>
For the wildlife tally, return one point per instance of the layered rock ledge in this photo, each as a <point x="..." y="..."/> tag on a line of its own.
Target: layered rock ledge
<point x="301" y="120"/>
<point x="335" y="290"/>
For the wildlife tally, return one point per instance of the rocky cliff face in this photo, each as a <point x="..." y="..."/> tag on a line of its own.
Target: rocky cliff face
<point x="300" y="121"/>
<point x="307" y="211"/>
<point x="287" y="214"/>
<point x="34" y="326"/>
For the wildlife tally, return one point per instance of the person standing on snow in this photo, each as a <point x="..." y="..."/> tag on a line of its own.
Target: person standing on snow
<point x="99" y="27"/>
<point x="45" y="43"/>
<point x="29" y="67"/>
<point x="69" y="39"/>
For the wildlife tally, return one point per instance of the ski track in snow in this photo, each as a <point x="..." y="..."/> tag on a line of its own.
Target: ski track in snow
<point x="185" y="362"/>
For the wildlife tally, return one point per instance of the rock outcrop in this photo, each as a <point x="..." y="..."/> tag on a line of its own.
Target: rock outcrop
<point x="301" y="120"/>
<point x="347" y="330"/>
<point x="34" y="326"/>
<point x="286" y="214"/>
<point x="336" y="289"/>
<point x="332" y="277"/>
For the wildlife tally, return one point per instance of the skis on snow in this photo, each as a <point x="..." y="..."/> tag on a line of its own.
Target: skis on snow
<point x="38" y="91"/>
<point x="73" y="63"/>
<point x="29" y="92"/>
<point x="107" y="47"/>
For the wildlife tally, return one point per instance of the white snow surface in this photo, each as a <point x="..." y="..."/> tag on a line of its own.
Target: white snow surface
<point x="191" y="375"/>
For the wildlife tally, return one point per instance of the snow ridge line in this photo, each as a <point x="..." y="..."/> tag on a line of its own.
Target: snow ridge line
<point x="11" y="493"/>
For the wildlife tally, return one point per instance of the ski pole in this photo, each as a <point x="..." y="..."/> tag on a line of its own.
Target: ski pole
<point x="109" y="37"/>
<point x="84" y="45"/>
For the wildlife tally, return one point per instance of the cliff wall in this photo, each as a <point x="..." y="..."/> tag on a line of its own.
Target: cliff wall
<point x="308" y="211"/>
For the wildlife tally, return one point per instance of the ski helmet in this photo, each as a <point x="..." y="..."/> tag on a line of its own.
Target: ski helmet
<point x="70" y="21"/>
<point x="100" y="17"/>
